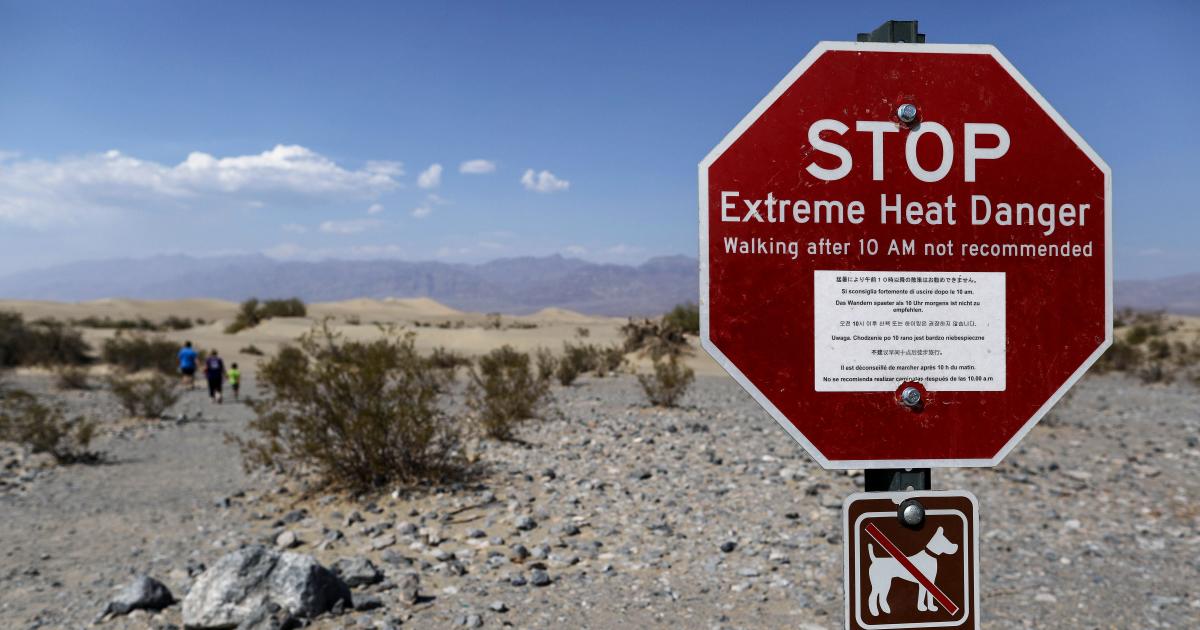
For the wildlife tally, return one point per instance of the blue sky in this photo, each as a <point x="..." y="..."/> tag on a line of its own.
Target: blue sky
<point x="303" y="130"/>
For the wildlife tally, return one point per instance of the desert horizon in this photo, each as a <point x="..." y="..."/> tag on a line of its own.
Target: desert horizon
<point x="547" y="315"/>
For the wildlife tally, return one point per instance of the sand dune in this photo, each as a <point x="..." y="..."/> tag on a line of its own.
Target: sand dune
<point x="433" y="323"/>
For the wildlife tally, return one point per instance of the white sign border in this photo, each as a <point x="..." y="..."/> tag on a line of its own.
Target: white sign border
<point x="808" y="60"/>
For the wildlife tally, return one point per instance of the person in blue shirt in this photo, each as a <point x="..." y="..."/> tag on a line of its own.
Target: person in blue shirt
<point x="187" y="364"/>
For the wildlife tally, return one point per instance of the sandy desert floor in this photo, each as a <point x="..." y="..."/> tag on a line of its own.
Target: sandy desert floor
<point x="705" y="516"/>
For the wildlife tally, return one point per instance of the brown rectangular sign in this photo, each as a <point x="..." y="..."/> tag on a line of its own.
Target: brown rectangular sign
<point x="901" y="576"/>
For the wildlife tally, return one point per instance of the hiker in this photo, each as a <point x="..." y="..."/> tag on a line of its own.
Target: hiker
<point x="187" y="365"/>
<point x="214" y="371"/>
<point x="235" y="379"/>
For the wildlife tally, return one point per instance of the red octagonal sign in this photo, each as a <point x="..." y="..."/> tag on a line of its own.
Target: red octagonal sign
<point x="905" y="255"/>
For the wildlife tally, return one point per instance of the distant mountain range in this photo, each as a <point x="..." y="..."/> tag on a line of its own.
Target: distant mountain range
<point x="511" y="285"/>
<point x="1177" y="294"/>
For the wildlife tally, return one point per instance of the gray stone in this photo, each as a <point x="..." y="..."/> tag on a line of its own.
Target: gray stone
<point x="409" y="587"/>
<point x="539" y="577"/>
<point x="728" y="546"/>
<point x="356" y="571"/>
<point x="366" y="601"/>
<point x="143" y="593"/>
<point x="526" y="523"/>
<point x="287" y="540"/>
<point x="498" y="606"/>
<point x="236" y="586"/>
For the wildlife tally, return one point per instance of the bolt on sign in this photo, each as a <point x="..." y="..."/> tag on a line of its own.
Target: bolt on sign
<point x="902" y="576"/>
<point x="905" y="255"/>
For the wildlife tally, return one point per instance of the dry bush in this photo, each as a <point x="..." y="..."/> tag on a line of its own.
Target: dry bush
<point x="546" y="364"/>
<point x="40" y="342"/>
<point x="669" y="382"/>
<point x="72" y="377"/>
<point x="358" y="414"/>
<point x="445" y="364"/>
<point x="504" y="391"/>
<point x="609" y="359"/>
<point x="576" y="359"/>
<point x="43" y="429"/>
<point x="492" y="321"/>
<point x="144" y="397"/>
<point x="655" y="339"/>
<point x="252" y="350"/>
<point x="134" y="352"/>
<point x="444" y="359"/>
<point x="252" y="312"/>
<point x="685" y="317"/>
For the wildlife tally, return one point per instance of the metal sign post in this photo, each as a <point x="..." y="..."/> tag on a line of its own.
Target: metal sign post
<point x="898" y="479"/>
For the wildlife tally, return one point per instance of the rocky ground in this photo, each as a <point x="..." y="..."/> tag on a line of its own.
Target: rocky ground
<point x="611" y="514"/>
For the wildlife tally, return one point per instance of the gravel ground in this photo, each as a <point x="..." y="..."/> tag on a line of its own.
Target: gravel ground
<point x="611" y="514"/>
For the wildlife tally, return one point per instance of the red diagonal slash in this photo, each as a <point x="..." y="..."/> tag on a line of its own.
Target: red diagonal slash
<point x="895" y="552"/>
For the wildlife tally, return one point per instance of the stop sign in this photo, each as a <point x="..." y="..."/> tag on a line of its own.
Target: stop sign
<point x="905" y="255"/>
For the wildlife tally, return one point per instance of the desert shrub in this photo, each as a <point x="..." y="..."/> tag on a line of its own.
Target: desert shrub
<point x="655" y="339"/>
<point x="252" y="350"/>
<point x="252" y="312"/>
<point x="291" y="307"/>
<point x="71" y="377"/>
<point x="504" y="391"/>
<point x="446" y="363"/>
<point x="140" y="323"/>
<point x="492" y="321"/>
<point x="176" y="323"/>
<point x="582" y="332"/>
<point x="609" y="359"/>
<point x="685" y="317"/>
<point x="40" y="342"/>
<point x="134" y="352"/>
<point x="668" y="382"/>
<point x="51" y="342"/>
<point x="144" y="397"/>
<point x="576" y="359"/>
<point x="42" y="428"/>
<point x="1154" y="372"/>
<point x="1121" y="356"/>
<point x="1158" y="349"/>
<point x="443" y="359"/>
<point x="545" y="363"/>
<point x="358" y="414"/>
<point x="353" y="320"/>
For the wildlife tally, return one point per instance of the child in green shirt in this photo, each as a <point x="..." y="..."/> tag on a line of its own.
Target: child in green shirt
<point x="235" y="379"/>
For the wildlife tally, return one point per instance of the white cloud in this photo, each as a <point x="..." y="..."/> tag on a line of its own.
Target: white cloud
<point x="44" y="193"/>
<point x="375" y="208"/>
<point x="353" y="226"/>
<point x="477" y="167"/>
<point x="426" y="208"/>
<point x="543" y="182"/>
<point x="575" y="250"/>
<point x="430" y="177"/>
<point x="294" y="228"/>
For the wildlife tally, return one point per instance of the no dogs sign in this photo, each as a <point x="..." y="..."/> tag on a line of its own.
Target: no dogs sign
<point x="901" y="576"/>
<point x="905" y="255"/>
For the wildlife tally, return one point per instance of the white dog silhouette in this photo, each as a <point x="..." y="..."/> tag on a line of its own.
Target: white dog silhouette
<point x="884" y="570"/>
